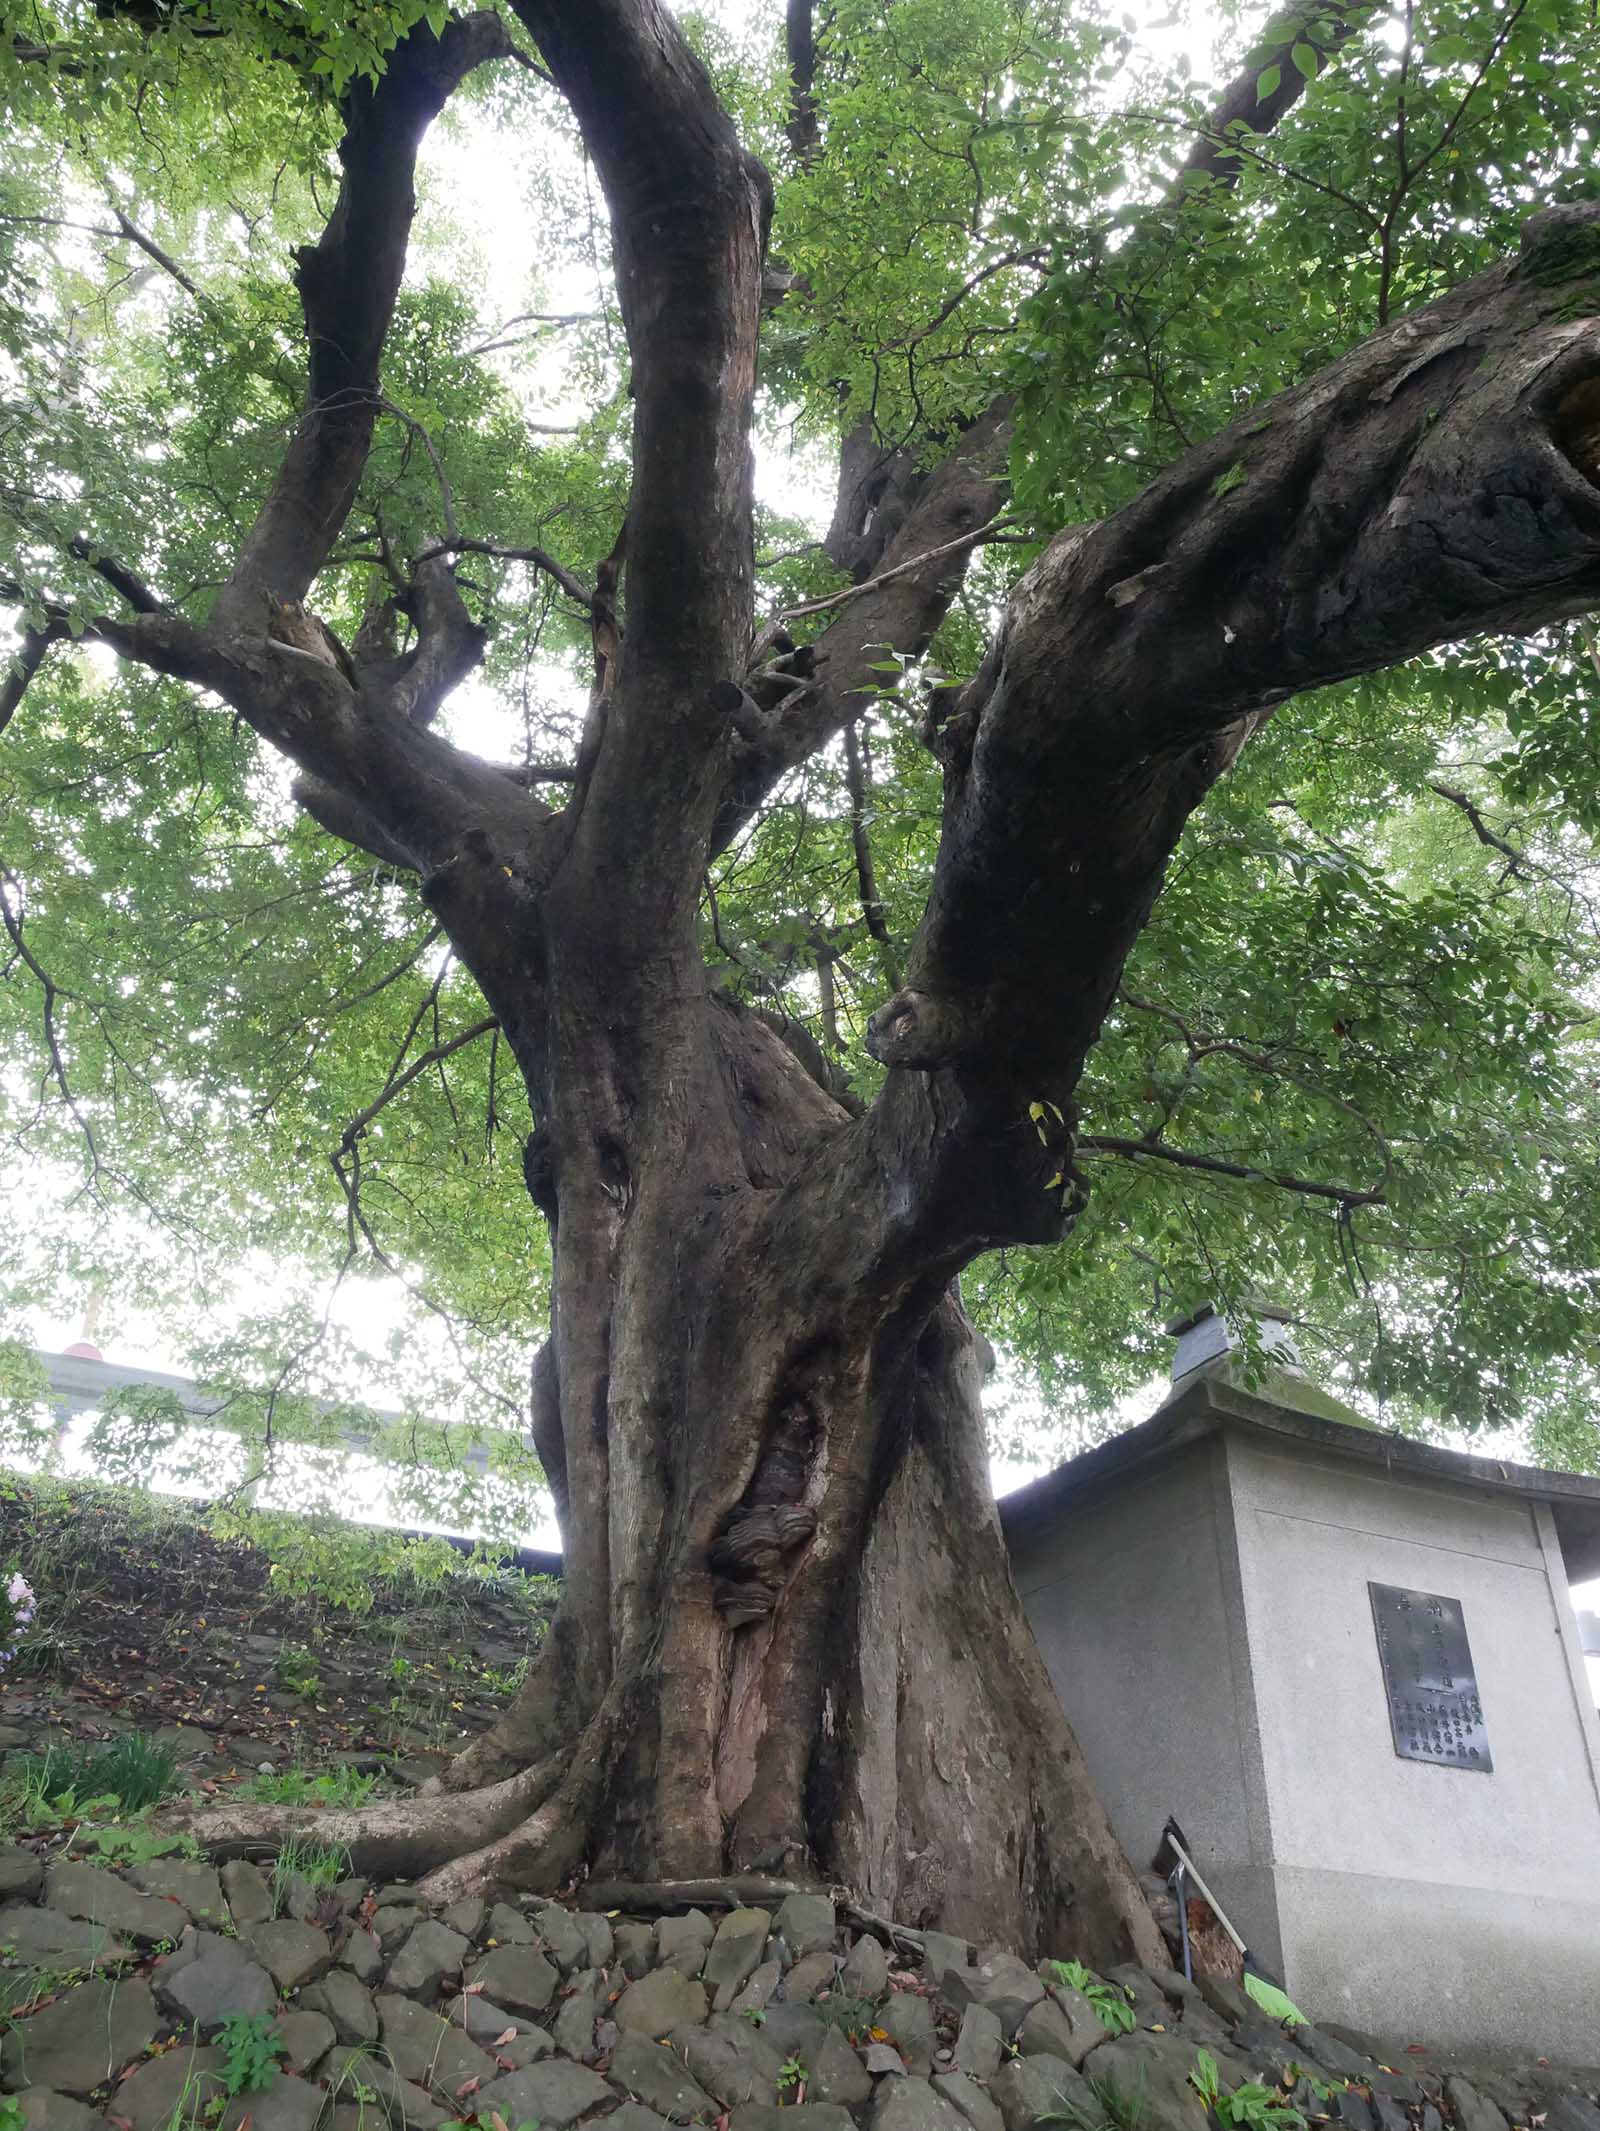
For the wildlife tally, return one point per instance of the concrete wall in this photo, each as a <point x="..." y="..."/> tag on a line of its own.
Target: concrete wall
<point x="1134" y="1597"/>
<point x="1440" y="1903"/>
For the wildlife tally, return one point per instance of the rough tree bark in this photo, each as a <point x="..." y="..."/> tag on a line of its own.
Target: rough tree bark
<point x="788" y="1643"/>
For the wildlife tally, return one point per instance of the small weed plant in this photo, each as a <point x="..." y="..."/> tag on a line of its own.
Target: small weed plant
<point x="791" y="2081"/>
<point x="1276" y="2004"/>
<point x="1323" y="2089"/>
<point x="319" y="1864"/>
<point x="38" y="1790"/>
<point x="1116" y="2108"/>
<point x="853" y="2017"/>
<point x="251" y="2050"/>
<point x="1110" y="2000"/>
<point x="17" y="1608"/>
<point x="1250" y="2107"/>
<point x="11" y="2116"/>
<point x="297" y="1672"/>
<point x="135" y="1842"/>
<point x="456" y="2123"/>
<point x="302" y="1786"/>
<point x="22" y="1989"/>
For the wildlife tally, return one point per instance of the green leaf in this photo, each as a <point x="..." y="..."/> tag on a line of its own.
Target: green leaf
<point x="1276" y="2004"/>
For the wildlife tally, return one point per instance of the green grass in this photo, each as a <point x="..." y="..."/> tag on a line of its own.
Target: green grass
<point x="319" y="1864"/>
<point x="36" y="1790"/>
<point x="301" y="1786"/>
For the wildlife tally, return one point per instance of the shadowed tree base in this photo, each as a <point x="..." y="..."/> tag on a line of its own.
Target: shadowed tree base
<point x="941" y="1786"/>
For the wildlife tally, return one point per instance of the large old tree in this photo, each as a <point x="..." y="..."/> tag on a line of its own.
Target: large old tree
<point x="1152" y="411"/>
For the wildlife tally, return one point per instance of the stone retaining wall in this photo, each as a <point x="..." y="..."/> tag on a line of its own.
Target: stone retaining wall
<point x="528" y="2013"/>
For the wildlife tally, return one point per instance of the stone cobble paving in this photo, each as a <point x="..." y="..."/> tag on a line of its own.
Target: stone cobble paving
<point x="526" y="2012"/>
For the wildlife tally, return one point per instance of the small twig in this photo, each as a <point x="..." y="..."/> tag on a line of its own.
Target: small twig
<point x="12" y="921"/>
<point x="554" y="320"/>
<point x="901" y="569"/>
<point x="152" y="250"/>
<point x="858" y="779"/>
<point x="447" y="494"/>
<point x="429" y="1058"/>
<point x="1342" y="1195"/>
<point x="539" y="557"/>
<point x="1480" y="828"/>
<point x="530" y="65"/>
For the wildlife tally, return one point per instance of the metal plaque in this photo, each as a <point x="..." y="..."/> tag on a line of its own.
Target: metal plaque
<point x="1434" y="1711"/>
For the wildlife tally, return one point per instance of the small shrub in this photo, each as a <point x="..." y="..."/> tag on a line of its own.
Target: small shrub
<point x="853" y="2017"/>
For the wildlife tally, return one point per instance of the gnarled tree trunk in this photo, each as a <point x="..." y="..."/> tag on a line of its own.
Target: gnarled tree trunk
<point x="788" y="1641"/>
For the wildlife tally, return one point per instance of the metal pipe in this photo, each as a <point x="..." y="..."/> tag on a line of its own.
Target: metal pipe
<point x="1186" y="1863"/>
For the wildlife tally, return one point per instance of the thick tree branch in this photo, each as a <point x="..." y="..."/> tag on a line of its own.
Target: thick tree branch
<point x="120" y="578"/>
<point x="890" y="508"/>
<point x="804" y="128"/>
<point x="689" y="210"/>
<point x="370" y="771"/>
<point x="899" y="609"/>
<point x="24" y="663"/>
<point x="1242" y="109"/>
<point x="449" y="645"/>
<point x="1440" y="481"/>
<point x="348" y="281"/>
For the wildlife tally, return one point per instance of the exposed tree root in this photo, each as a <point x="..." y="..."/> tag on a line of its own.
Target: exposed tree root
<point x="660" y="1896"/>
<point x="536" y="1723"/>
<point x="546" y="1846"/>
<point x="398" y="1838"/>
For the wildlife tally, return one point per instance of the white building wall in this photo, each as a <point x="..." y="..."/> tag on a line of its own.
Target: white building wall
<point x="1133" y="1594"/>
<point x="1420" y="1902"/>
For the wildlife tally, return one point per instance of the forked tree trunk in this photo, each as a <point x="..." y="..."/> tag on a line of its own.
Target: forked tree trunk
<point x="788" y="1642"/>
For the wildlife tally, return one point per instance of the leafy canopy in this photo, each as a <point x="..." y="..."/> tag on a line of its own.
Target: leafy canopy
<point x="1372" y="973"/>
